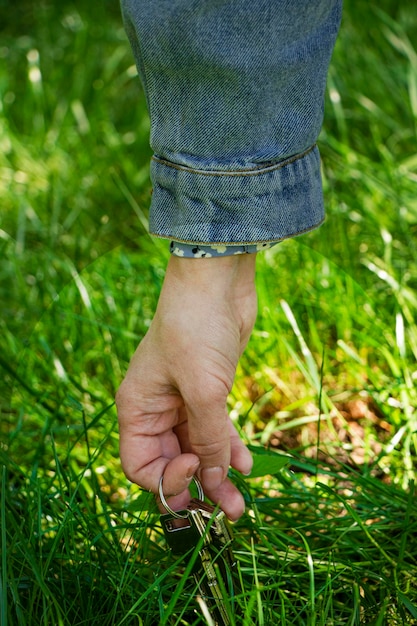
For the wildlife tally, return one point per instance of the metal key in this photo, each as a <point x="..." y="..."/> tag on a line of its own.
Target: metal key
<point x="202" y="523"/>
<point x="220" y="549"/>
<point x="220" y="530"/>
<point x="184" y="533"/>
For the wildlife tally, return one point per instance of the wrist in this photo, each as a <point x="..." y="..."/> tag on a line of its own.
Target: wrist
<point x="216" y="275"/>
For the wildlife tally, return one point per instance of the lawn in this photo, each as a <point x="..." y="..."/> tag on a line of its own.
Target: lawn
<point x="325" y="394"/>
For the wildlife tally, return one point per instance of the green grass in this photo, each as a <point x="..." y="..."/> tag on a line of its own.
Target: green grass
<point x="329" y="379"/>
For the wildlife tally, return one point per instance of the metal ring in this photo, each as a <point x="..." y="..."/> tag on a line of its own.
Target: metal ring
<point x="165" y="503"/>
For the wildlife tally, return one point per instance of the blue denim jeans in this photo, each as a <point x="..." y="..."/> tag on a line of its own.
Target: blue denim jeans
<point x="235" y="92"/>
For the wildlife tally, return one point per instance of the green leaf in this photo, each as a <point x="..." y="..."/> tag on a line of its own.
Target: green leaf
<point x="266" y="462"/>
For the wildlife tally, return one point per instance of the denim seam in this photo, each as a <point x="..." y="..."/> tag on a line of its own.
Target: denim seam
<point x="255" y="171"/>
<point x="239" y="243"/>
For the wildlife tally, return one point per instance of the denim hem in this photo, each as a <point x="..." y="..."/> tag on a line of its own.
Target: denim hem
<point x="232" y="244"/>
<point x="260" y="204"/>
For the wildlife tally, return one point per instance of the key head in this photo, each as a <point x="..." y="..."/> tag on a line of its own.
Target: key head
<point x="181" y="534"/>
<point x="184" y="531"/>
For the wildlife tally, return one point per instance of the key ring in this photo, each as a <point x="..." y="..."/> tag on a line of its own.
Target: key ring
<point x="165" y="503"/>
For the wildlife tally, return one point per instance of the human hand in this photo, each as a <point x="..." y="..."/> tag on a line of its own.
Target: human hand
<point x="172" y="403"/>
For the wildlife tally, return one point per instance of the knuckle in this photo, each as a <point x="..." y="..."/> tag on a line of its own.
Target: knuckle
<point x="211" y="451"/>
<point x="207" y="393"/>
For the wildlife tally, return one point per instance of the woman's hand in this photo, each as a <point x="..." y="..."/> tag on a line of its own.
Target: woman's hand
<point x="172" y="403"/>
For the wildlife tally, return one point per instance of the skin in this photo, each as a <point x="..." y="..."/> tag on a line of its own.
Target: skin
<point x="171" y="404"/>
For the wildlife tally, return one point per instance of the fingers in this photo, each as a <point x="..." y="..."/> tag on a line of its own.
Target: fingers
<point x="241" y="459"/>
<point x="209" y="436"/>
<point x="216" y="442"/>
<point x="145" y="457"/>
<point x="213" y="474"/>
<point x="175" y="484"/>
<point x="229" y="498"/>
<point x="225" y="494"/>
<point x="168" y="452"/>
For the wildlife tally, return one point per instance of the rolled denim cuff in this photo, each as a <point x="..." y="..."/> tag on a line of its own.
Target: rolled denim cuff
<point x="254" y="205"/>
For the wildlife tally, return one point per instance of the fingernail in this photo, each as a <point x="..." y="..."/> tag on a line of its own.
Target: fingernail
<point x="192" y="470"/>
<point x="212" y="477"/>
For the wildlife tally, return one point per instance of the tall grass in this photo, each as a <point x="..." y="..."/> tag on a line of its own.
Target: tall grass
<point x="329" y="377"/>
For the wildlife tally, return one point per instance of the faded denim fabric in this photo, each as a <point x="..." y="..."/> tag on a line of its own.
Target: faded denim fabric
<point x="235" y="92"/>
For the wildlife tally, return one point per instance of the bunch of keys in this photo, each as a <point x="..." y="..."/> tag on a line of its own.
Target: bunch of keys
<point x="203" y="524"/>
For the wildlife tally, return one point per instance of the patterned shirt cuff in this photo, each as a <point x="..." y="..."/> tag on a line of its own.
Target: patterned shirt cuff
<point x="195" y="251"/>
